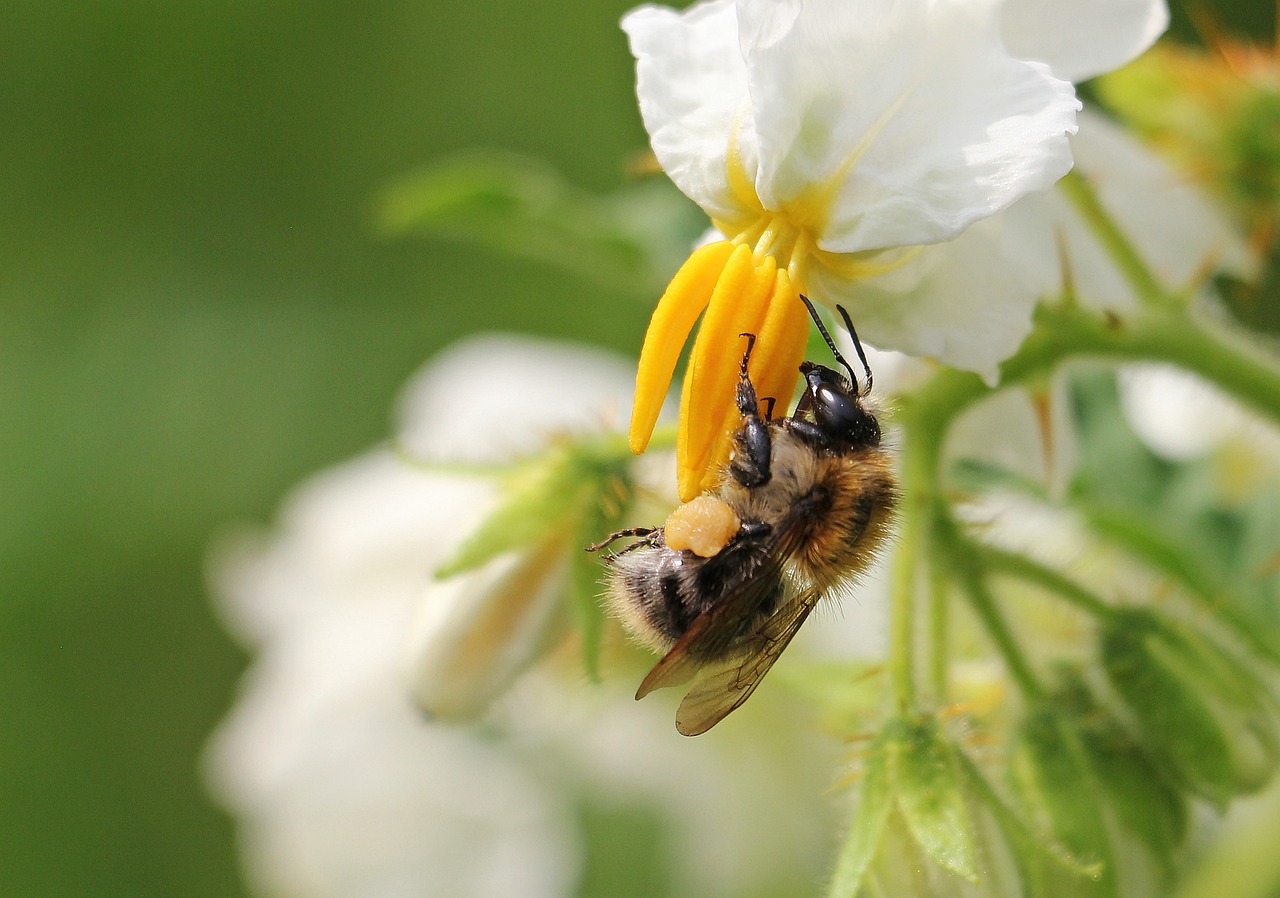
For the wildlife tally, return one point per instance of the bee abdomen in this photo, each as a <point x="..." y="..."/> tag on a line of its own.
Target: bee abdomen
<point x="658" y="592"/>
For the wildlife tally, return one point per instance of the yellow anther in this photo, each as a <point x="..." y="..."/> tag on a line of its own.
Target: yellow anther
<point x="685" y="298"/>
<point x="738" y="305"/>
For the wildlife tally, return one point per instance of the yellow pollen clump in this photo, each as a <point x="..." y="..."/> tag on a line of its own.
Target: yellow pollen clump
<point x="703" y="525"/>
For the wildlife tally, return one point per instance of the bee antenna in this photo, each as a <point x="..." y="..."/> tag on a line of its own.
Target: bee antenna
<point x="857" y="345"/>
<point x="831" y="344"/>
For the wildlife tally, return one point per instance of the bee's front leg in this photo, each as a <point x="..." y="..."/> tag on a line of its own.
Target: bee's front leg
<point x="753" y="446"/>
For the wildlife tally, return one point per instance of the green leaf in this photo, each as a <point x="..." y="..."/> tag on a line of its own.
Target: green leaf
<point x="1041" y="862"/>
<point x="931" y="799"/>
<point x="864" y="838"/>
<point x="1172" y="712"/>
<point x="1145" y="802"/>
<point x="614" y="493"/>
<point x="626" y="241"/>
<point x="1054" y="779"/>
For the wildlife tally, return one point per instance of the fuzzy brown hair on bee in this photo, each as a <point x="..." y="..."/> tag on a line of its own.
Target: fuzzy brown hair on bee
<point x="805" y="503"/>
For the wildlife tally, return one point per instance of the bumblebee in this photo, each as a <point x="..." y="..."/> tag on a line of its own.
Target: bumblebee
<point x="725" y="584"/>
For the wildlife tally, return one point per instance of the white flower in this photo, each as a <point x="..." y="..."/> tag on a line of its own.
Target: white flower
<point x="342" y="788"/>
<point x="478" y="630"/>
<point x="826" y="140"/>
<point x="1181" y="416"/>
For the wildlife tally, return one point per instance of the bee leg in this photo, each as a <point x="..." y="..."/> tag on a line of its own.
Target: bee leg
<point x="809" y="433"/>
<point x="753" y="455"/>
<point x="804" y="405"/>
<point x="646" y="532"/>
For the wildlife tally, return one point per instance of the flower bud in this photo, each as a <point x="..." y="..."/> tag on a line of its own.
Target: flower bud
<point x="1096" y="792"/>
<point x="510" y="589"/>
<point x="1202" y="714"/>
<point x="476" y="632"/>
<point x="921" y="827"/>
<point x="1058" y="787"/>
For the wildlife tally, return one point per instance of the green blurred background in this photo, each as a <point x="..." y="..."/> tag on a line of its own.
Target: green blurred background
<point x="198" y="311"/>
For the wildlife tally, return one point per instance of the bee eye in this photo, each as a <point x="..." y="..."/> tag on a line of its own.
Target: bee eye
<point x="840" y="415"/>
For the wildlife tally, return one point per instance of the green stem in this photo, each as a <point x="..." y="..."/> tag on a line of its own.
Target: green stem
<point x="1081" y="194"/>
<point x="1067" y="331"/>
<point x="972" y="575"/>
<point x="1024" y="568"/>
<point x="939" y="624"/>
<point x="1160" y="331"/>
<point x="909" y="549"/>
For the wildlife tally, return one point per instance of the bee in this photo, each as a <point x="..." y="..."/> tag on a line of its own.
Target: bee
<point x="725" y="584"/>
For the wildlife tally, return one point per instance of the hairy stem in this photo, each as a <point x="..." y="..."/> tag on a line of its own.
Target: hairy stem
<point x="973" y="579"/>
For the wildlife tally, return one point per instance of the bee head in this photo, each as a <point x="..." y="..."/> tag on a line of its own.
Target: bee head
<point x="837" y="407"/>
<point x="836" y="400"/>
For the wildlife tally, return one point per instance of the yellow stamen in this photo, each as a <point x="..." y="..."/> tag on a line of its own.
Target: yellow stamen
<point x="738" y="305"/>
<point x="785" y="336"/>
<point x="774" y="369"/>
<point x="685" y="298"/>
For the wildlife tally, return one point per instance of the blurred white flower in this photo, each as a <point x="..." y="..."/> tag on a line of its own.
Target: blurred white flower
<point x="340" y="786"/>
<point x="1181" y="416"/>
<point x="340" y="789"/>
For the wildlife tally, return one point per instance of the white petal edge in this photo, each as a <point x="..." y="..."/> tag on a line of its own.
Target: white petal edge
<point x="968" y="302"/>
<point x="914" y="112"/>
<point x="491" y="397"/>
<point x="692" y="86"/>
<point x="1080" y="39"/>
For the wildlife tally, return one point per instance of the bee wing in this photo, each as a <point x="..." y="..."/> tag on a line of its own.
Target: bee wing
<point x="700" y="641"/>
<point x="713" y="696"/>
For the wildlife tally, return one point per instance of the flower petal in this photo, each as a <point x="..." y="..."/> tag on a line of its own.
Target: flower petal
<point x="912" y="118"/>
<point x="692" y="86"/>
<point x="494" y="397"/>
<point x="475" y="633"/>
<point x="1172" y="225"/>
<point x="966" y="303"/>
<point x="1082" y="38"/>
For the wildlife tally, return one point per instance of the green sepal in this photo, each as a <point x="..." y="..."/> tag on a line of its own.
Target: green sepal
<point x="537" y="497"/>
<point x="555" y="490"/>
<point x="930" y="797"/>
<point x="603" y="515"/>
<point x="874" y="804"/>
<point x="580" y="489"/>
<point x="1143" y="799"/>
